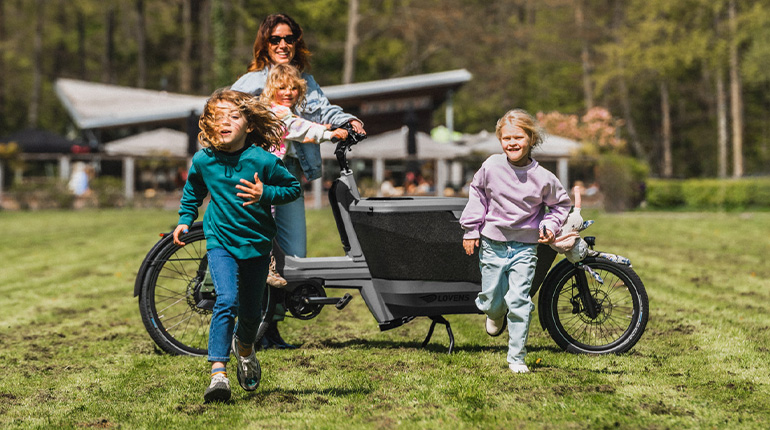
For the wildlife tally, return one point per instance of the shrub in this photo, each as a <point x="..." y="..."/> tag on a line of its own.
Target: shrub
<point x="43" y="193"/>
<point x="727" y="194"/>
<point x="109" y="191"/>
<point x="664" y="193"/>
<point x="621" y="179"/>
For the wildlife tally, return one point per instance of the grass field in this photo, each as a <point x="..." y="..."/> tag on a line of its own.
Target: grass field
<point x="74" y="353"/>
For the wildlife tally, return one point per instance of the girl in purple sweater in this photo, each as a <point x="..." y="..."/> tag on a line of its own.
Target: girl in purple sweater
<point x="506" y="216"/>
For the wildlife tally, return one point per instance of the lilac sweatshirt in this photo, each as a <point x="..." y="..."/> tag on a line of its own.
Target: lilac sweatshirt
<point x="507" y="203"/>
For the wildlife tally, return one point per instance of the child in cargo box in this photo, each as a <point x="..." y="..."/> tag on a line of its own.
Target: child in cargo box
<point x="243" y="180"/>
<point x="513" y="204"/>
<point x="284" y="93"/>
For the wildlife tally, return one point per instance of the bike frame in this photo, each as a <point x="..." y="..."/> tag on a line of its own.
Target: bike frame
<point x="404" y="256"/>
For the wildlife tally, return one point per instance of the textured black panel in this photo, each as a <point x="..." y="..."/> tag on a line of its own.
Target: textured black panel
<point x="415" y="245"/>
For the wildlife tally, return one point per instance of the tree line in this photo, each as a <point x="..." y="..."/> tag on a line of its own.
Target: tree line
<point x="689" y="79"/>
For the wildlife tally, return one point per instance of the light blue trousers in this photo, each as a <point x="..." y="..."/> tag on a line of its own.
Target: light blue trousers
<point x="291" y="232"/>
<point x="507" y="269"/>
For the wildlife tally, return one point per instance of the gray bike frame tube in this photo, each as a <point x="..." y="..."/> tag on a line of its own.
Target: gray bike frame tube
<point x="349" y="271"/>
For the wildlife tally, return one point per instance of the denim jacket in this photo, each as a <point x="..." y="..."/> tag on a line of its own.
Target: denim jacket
<point x="317" y="109"/>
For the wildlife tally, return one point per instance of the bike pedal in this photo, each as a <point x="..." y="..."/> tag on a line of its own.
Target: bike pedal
<point x="344" y="301"/>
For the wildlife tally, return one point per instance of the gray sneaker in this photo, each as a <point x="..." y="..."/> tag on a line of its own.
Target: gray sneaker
<point x="249" y="372"/>
<point x="218" y="390"/>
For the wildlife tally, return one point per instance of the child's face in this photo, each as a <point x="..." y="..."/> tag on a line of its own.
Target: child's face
<point x="231" y="125"/>
<point x="516" y="144"/>
<point x="286" y="95"/>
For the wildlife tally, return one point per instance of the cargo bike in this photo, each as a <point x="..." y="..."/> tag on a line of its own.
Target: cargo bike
<point x="404" y="256"/>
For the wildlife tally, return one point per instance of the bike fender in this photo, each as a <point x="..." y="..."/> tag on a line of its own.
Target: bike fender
<point x="553" y="274"/>
<point x="150" y="257"/>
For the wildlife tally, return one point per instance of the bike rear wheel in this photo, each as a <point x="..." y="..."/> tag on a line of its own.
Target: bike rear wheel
<point x="177" y="296"/>
<point x="621" y="307"/>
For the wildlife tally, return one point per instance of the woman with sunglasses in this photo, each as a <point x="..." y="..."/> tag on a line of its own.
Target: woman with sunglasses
<point x="279" y="40"/>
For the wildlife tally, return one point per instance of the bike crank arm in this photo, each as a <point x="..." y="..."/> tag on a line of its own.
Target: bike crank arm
<point x="338" y="302"/>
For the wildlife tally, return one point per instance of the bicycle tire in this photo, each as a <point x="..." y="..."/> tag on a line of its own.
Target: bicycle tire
<point x="173" y="307"/>
<point x="622" y="312"/>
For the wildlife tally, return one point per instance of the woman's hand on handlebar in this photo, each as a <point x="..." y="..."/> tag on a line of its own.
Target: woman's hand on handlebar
<point x="181" y="228"/>
<point x="358" y="126"/>
<point x="470" y="245"/>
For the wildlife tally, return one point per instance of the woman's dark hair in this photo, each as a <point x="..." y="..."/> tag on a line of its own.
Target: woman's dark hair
<point x="261" y="59"/>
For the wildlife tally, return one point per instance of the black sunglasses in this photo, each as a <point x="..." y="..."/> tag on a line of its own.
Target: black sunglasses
<point x="290" y="39"/>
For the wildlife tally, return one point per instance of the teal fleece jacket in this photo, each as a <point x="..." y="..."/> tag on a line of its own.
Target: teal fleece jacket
<point x="244" y="231"/>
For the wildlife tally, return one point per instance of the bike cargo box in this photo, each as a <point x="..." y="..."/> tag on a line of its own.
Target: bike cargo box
<point x="413" y="247"/>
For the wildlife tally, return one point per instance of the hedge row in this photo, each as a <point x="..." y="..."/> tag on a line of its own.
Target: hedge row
<point x="728" y="194"/>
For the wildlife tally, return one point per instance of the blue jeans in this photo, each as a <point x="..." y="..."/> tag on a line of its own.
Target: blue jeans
<point x="507" y="269"/>
<point x="290" y="218"/>
<point x="239" y="285"/>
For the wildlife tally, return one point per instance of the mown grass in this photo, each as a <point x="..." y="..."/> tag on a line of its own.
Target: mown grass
<point x="74" y="353"/>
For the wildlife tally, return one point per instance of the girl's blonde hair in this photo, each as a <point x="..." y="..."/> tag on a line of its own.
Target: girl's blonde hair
<point x="522" y="119"/>
<point x="284" y="75"/>
<point x="266" y="129"/>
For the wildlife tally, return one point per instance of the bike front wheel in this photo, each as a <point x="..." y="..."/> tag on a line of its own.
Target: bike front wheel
<point x="177" y="296"/>
<point x="610" y="319"/>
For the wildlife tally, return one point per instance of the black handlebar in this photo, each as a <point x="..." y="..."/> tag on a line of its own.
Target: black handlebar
<point x="343" y="146"/>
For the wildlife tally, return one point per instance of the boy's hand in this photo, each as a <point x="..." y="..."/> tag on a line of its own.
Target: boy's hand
<point x="252" y="192"/>
<point x="546" y="238"/>
<point x="470" y="245"/>
<point x="181" y="228"/>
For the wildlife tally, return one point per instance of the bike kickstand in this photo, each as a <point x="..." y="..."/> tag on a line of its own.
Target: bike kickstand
<point x="440" y="320"/>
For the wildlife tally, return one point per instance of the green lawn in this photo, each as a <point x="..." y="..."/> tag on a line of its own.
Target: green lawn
<point x="74" y="352"/>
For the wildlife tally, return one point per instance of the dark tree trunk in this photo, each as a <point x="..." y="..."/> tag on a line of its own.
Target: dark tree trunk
<point x="141" y="45"/>
<point x="108" y="72"/>
<point x="349" y="68"/>
<point x="33" y="113"/>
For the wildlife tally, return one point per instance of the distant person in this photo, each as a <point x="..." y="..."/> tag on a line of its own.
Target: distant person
<point x="78" y="183"/>
<point x="285" y="93"/>
<point x="280" y="40"/>
<point x="387" y="189"/>
<point x="237" y="131"/>
<point x="506" y="216"/>
<point x="410" y="183"/>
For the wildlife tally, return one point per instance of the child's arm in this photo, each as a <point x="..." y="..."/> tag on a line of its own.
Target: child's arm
<point x="252" y="192"/>
<point x="559" y="204"/>
<point x="195" y="191"/>
<point x="280" y="186"/>
<point x="301" y="130"/>
<point x="181" y="228"/>
<point x="474" y="214"/>
<point x="470" y="245"/>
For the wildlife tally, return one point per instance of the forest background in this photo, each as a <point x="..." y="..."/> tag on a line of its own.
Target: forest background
<point x="688" y="81"/>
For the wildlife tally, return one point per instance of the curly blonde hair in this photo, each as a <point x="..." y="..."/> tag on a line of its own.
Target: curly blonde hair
<point x="284" y="75"/>
<point x="522" y="119"/>
<point x="267" y="130"/>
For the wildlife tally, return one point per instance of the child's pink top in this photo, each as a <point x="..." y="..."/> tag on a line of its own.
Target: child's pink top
<point x="508" y="203"/>
<point x="298" y="129"/>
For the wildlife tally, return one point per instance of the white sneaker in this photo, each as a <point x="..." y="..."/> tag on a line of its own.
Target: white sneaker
<point x="218" y="390"/>
<point x="518" y="368"/>
<point x="496" y="327"/>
